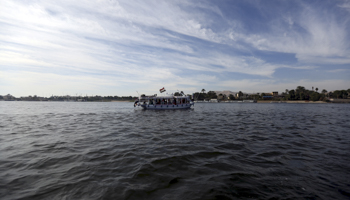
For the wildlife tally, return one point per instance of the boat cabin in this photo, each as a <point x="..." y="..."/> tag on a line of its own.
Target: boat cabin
<point x="163" y="102"/>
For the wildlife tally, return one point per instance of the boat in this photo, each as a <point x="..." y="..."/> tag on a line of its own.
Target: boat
<point x="249" y="101"/>
<point x="166" y="102"/>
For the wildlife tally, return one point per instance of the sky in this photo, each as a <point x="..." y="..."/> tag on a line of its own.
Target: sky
<point x="110" y="47"/>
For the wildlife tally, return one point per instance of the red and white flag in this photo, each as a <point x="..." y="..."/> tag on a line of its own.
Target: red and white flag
<point x="162" y="90"/>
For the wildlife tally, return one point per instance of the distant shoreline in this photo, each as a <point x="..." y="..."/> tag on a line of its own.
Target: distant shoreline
<point x="70" y="101"/>
<point x="317" y="102"/>
<point x="295" y="102"/>
<point x="258" y="101"/>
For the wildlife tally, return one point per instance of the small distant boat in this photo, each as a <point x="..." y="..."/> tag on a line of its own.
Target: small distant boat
<point x="249" y="101"/>
<point x="167" y="102"/>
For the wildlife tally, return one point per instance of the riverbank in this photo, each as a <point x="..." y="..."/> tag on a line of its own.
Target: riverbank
<point x="71" y="101"/>
<point x="330" y="101"/>
<point x="269" y="101"/>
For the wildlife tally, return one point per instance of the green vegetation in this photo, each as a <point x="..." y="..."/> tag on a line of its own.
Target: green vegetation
<point x="205" y="96"/>
<point x="231" y="97"/>
<point x="300" y="93"/>
<point x="340" y="94"/>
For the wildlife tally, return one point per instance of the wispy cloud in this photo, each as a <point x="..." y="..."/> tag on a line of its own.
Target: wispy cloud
<point x="338" y="70"/>
<point x="345" y="5"/>
<point x="307" y="33"/>
<point x="140" y="45"/>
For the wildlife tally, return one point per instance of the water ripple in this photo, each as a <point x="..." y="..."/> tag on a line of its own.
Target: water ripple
<point x="60" y="150"/>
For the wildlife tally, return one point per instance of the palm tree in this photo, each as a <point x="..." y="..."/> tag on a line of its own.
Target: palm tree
<point x="316" y="89"/>
<point x="324" y="91"/>
<point x="203" y="90"/>
<point x="287" y="91"/>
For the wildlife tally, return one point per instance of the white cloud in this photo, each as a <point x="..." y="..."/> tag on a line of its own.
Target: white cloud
<point x="338" y="70"/>
<point x="300" y="67"/>
<point x="146" y="42"/>
<point x="311" y="34"/>
<point x="345" y="5"/>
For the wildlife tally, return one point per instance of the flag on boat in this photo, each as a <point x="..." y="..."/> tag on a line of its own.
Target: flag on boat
<point x="162" y="90"/>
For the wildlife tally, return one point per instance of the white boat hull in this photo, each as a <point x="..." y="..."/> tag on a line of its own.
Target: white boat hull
<point x="166" y="107"/>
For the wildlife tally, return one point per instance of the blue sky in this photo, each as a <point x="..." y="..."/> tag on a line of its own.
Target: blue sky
<point x="109" y="47"/>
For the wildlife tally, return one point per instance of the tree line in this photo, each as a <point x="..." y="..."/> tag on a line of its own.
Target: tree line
<point x="204" y="96"/>
<point x="300" y="93"/>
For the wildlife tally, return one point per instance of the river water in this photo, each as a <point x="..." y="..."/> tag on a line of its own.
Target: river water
<point x="81" y="150"/>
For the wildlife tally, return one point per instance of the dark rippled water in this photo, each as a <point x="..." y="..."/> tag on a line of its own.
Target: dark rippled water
<point x="70" y="150"/>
